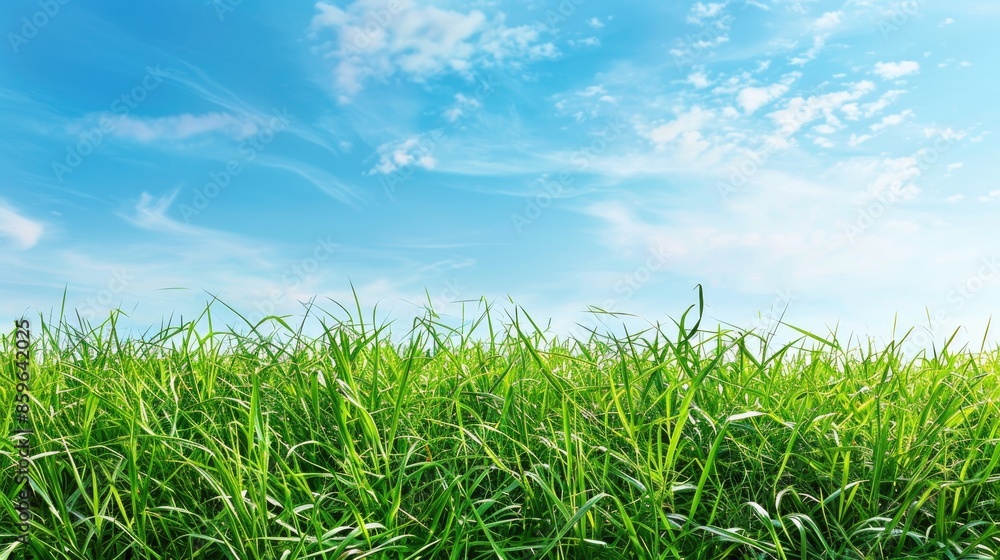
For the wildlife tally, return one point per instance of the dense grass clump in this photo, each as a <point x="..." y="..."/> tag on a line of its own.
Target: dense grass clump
<point x="497" y="440"/>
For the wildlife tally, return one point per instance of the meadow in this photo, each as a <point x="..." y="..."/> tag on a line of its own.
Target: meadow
<point x="497" y="439"/>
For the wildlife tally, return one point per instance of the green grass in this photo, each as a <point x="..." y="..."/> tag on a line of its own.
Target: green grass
<point x="497" y="440"/>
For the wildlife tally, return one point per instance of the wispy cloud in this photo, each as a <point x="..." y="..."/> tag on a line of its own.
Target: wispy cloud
<point x="822" y="27"/>
<point x="211" y="90"/>
<point x="21" y="231"/>
<point x="322" y="179"/>
<point x="891" y="120"/>
<point x="869" y="110"/>
<point x="177" y="127"/>
<point x="151" y="213"/>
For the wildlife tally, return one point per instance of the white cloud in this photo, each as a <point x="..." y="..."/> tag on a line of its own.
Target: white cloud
<point x="876" y="107"/>
<point x="463" y="105"/>
<point x="586" y="103"/>
<point x="787" y="230"/>
<point x="955" y="166"/>
<point x="851" y="111"/>
<point x="898" y="176"/>
<point x="151" y="214"/>
<point x="752" y="98"/>
<point x="733" y="84"/>
<point x="700" y="11"/>
<point x="509" y="44"/>
<point x="698" y="80"/>
<point x="23" y="232"/>
<point x="857" y="140"/>
<point x="683" y="140"/>
<point x="800" y="111"/>
<point x="895" y="70"/>
<point x="414" y="151"/>
<point x="891" y="120"/>
<point x="705" y="44"/>
<point x="587" y="42"/>
<point x="819" y="41"/>
<point x="591" y="91"/>
<point x="955" y="198"/>
<point x="420" y="42"/>
<point x="177" y="127"/>
<point x="946" y="21"/>
<point x="990" y="196"/>
<point x="828" y="21"/>
<point x="595" y="23"/>
<point x="947" y="133"/>
<point x="823" y="142"/>
<point x="685" y="128"/>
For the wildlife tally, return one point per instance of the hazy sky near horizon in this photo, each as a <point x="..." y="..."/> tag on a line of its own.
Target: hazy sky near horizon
<point x="834" y="158"/>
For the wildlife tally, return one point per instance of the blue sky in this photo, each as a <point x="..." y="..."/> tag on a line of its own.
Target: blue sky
<point x="832" y="158"/>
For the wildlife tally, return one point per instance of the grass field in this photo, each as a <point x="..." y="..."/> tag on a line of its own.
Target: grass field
<point x="499" y="441"/>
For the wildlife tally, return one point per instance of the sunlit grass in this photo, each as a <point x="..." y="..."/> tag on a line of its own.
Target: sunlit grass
<point x="500" y="441"/>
